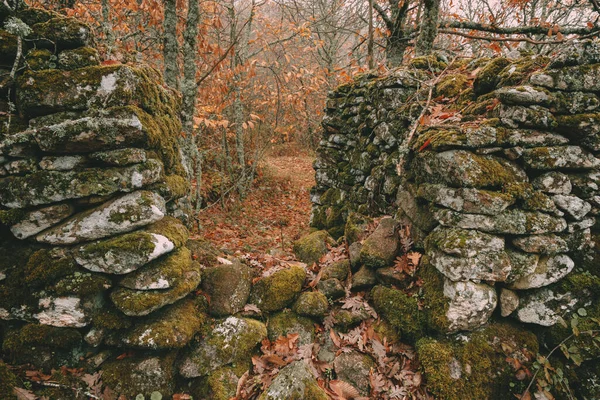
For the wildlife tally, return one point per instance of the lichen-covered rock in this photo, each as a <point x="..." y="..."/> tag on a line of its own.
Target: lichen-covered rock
<point x="123" y="254"/>
<point x="170" y="328"/>
<point x="355" y="368"/>
<point x="44" y="187"/>
<point x="312" y="247"/>
<point x="278" y="290"/>
<point x="294" y="382"/>
<point x="123" y="214"/>
<point x="460" y="168"/>
<point x="553" y="183"/>
<point x="285" y="323"/>
<point x="62" y="33"/>
<point x="137" y="303"/>
<point x="542" y="244"/>
<point x="573" y="205"/>
<point x="120" y="157"/>
<point x="35" y="221"/>
<point x="50" y="91"/>
<point x="332" y="288"/>
<point x="509" y="302"/>
<point x="311" y="304"/>
<point x="63" y="163"/>
<point x="381" y="247"/>
<point x="488" y="77"/>
<point x="544" y="306"/>
<point x="548" y="270"/>
<point x="231" y="341"/>
<point x="466" y="200"/>
<point x="559" y="157"/>
<point x="527" y="117"/>
<point x="364" y="278"/>
<point x="338" y="270"/>
<point x="78" y="58"/>
<point x="163" y="273"/>
<point x="141" y="375"/>
<point x="571" y="78"/>
<point x="62" y="312"/>
<point x="524" y="95"/>
<point x="355" y="228"/>
<point x="228" y="287"/>
<point x="471" y="304"/>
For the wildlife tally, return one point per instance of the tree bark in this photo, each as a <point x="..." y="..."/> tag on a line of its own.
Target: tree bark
<point x="170" y="47"/>
<point x="107" y="28"/>
<point x="429" y="27"/>
<point x="189" y="91"/>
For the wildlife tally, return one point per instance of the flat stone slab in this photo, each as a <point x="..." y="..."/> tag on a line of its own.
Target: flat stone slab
<point x="466" y="200"/>
<point x="38" y="220"/>
<point x="163" y="273"/>
<point x="549" y="270"/>
<point x="44" y="187"/>
<point x="124" y="214"/>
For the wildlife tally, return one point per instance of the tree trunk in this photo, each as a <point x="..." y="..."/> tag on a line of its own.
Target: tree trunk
<point x="429" y="27"/>
<point x="170" y="49"/>
<point x="370" y="59"/>
<point x="109" y="37"/>
<point x="189" y="91"/>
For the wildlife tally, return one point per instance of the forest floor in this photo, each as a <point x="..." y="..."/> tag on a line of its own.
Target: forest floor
<point x="274" y="213"/>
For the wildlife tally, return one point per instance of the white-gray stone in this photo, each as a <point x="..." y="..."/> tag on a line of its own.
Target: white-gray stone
<point x="471" y="304"/>
<point x="509" y="302"/>
<point x="62" y="163"/>
<point x="553" y="183"/>
<point x="36" y="221"/>
<point x="544" y="307"/>
<point x="62" y="312"/>
<point x="549" y="270"/>
<point x="542" y="244"/>
<point x="573" y="205"/>
<point x="118" y="216"/>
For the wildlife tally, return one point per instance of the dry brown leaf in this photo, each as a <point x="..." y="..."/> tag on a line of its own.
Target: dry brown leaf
<point x="343" y="389"/>
<point x="24" y="394"/>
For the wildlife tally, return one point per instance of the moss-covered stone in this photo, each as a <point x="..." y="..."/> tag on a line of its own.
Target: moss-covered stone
<point x="452" y="85"/>
<point x="278" y="290"/>
<point x="381" y="247"/>
<point x="312" y="247"/>
<point x="170" y="328"/>
<point x="488" y="77"/>
<point x="220" y="384"/>
<point x="143" y="302"/>
<point x="228" y="287"/>
<point x="141" y="375"/>
<point x="203" y="251"/>
<point x="428" y="63"/>
<point x="78" y="58"/>
<point x="338" y="270"/>
<point x="400" y="310"/>
<point x="287" y="322"/>
<point x="38" y="59"/>
<point x="356" y="226"/>
<point x="46" y="266"/>
<point x="163" y="273"/>
<point x="61" y="33"/>
<point x="476" y="369"/>
<point x="311" y="304"/>
<point x="171" y="228"/>
<point x="231" y="342"/>
<point x="82" y="284"/>
<point x="294" y="382"/>
<point x="8" y="381"/>
<point x="8" y="48"/>
<point x="519" y="71"/>
<point x="355" y="368"/>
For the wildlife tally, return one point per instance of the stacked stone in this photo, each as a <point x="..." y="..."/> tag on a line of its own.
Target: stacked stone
<point x="357" y="156"/>
<point x="90" y="174"/>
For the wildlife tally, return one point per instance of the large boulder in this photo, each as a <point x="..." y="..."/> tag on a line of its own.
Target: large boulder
<point x="228" y="286"/>
<point x="278" y="290"/>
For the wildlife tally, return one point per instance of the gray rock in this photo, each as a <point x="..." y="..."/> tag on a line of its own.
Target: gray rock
<point x="231" y="341"/>
<point x="354" y="255"/>
<point x="549" y="270"/>
<point x="529" y="117"/>
<point x="489" y="266"/>
<point x="163" y="273"/>
<point x="294" y="381"/>
<point x="20" y="167"/>
<point x="62" y="163"/>
<point x="332" y="288"/>
<point x="381" y="247"/>
<point x="471" y="304"/>
<point x="463" y="242"/>
<point x="572" y="79"/>
<point x="285" y="323"/>
<point x="515" y="222"/>
<point x="542" y="244"/>
<point x="544" y="306"/>
<point x="311" y="304"/>
<point x="524" y="95"/>
<point x="45" y="187"/>
<point x="573" y="205"/>
<point x="509" y="302"/>
<point x="36" y="221"/>
<point x="123" y="254"/>
<point x="364" y="278"/>
<point x="558" y="157"/>
<point x="354" y="368"/>
<point x="581" y="225"/>
<point x="466" y="199"/>
<point x="228" y="287"/>
<point x="553" y="183"/>
<point x="124" y="214"/>
<point x="120" y="157"/>
<point x="62" y="312"/>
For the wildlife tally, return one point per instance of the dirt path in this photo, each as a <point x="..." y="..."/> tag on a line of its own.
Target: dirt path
<point x="277" y="207"/>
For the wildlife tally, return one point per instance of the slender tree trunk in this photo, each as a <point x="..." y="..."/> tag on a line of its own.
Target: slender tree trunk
<point x="396" y="42"/>
<point x="189" y="92"/>
<point x="370" y="59"/>
<point x="429" y="27"/>
<point x="107" y="28"/>
<point x="170" y="49"/>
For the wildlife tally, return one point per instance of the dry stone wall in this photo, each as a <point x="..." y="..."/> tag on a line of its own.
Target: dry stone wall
<point x="499" y="190"/>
